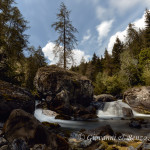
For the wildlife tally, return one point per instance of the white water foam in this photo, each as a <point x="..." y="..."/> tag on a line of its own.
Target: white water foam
<point x="114" y="109"/>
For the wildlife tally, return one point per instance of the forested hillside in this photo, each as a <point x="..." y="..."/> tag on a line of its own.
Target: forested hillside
<point x="127" y="66"/>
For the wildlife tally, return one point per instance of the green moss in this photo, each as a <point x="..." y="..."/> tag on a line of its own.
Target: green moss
<point x="7" y="97"/>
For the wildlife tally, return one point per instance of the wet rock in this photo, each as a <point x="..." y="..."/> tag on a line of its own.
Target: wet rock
<point x="101" y="131"/>
<point x="63" y="117"/>
<point x="135" y="124"/>
<point x="88" y="116"/>
<point x="105" y="130"/>
<point x="98" y="105"/>
<point x="49" y="113"/>
<point x="104" y="98"/>
<point x="24" y="125"/>
<point x="139" y="99"/>
<point x="63" y="89"/>
<point x="14" y="97"/>
<point x="127" y="112"/>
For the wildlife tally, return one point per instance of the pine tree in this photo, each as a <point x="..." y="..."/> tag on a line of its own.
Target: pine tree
<point x="82" y="66"/>
<point x="134" y="41"/>
<point x="107" y="62"/>
<point x="66" y="40"/>
<point x="116" y="51"/>
<point x="94" y="59"/>
<point x="13" y="41"/>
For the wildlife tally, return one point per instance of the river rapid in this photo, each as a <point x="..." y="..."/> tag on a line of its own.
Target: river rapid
<point x="111" y="114"/>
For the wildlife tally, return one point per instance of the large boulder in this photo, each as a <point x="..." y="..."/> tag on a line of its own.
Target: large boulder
<point x="63" y="89"/>
<point x="139" y="99"/>
<point x="22" y="125"/>
<point x="14" y="97"/>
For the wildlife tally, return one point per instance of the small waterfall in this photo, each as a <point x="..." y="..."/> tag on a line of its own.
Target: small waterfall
<point x="114" y="109"/>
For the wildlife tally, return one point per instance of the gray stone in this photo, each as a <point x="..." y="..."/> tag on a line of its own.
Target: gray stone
<point x="139" y="99"/>
<point x="14" y="97"/>
<point x="127" y="112"/>
<point x="21" y="124"/>
<point x="64" y="86"/>
<point x="104" y="98"/>
<point x="63" y="89"/>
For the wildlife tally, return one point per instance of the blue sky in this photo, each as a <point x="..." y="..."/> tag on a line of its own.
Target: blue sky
<point x="98" y="22"/>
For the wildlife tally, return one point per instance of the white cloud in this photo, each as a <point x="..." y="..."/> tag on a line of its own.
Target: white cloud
<point x="120" y="35"/>
<point x="139" y="23"/>
<point x="86" y="37"/>
<point x="103" y="29"/>
<point x="78" y="54"/>
<point x="48" y="52"/>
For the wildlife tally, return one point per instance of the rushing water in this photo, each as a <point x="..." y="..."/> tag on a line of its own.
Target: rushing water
<point x="114" y="110"/>
<point x="111" y="114"/>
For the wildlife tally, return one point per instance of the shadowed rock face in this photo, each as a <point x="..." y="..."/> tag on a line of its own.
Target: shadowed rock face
<point x="127" y="112"/>
<point x="14" y="97"/>
<point x="104" y="98"/>
<point x="21" y="124"/>
<point x="138" y="98"/>
<point x="63" y="88"/>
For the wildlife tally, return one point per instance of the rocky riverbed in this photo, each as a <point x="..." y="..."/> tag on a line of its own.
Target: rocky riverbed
<point x="66" y="116"/>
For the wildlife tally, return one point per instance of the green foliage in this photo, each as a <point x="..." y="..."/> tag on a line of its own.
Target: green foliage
<point x="107" y="84"/>
<point x="144" y="57"/>
<point x="34" y="62"/>
<point x="128" y="66"/>
<point x="134" y="40"/>
<point x="146" y="76"/>
<point x="129" y="69"/>
<point x="107" y="63"/>
<point x="116" y="51"/>
<point x="13" y="42"/>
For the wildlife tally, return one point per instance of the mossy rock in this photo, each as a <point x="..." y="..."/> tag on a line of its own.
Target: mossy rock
<point x="123" y="144"/>
<point x="110" y="142"/>
<point x="14" y="97"/>
<point x="51" y="125"/>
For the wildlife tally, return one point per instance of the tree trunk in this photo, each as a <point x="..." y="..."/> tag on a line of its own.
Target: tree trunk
<point x="64" y="44"/>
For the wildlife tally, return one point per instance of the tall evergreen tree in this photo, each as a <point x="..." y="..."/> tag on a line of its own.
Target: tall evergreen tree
<point x="108" y="66"/>
<point x="116" y="51"/>
<point x="66" y="40"/>
<point x="13" y="40"/>
<point x="134" y="40"/>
